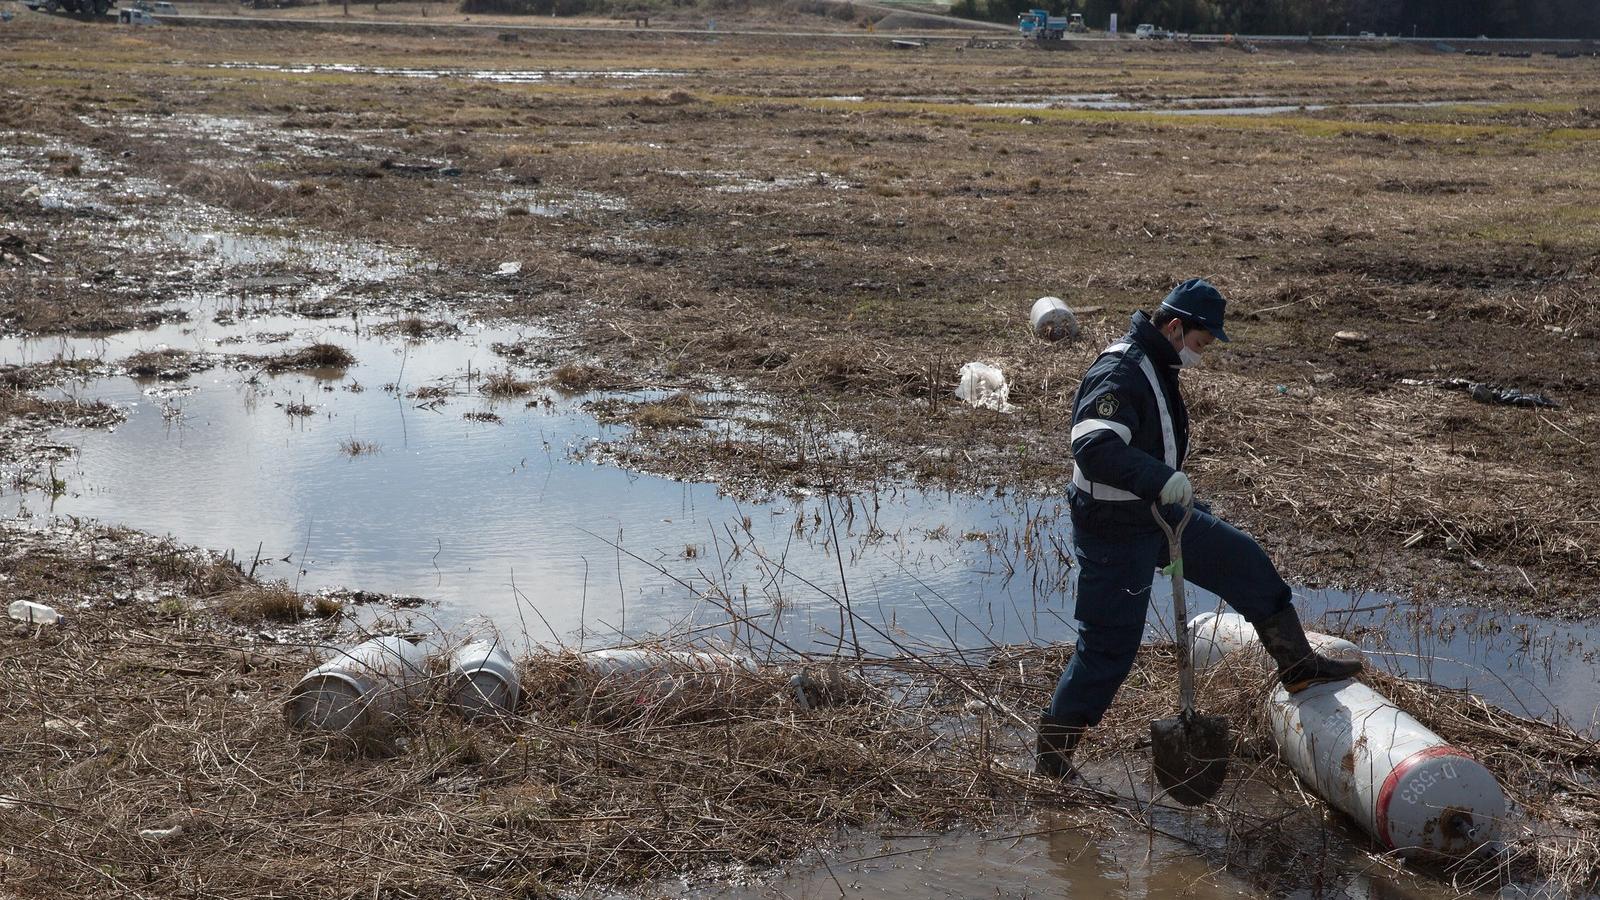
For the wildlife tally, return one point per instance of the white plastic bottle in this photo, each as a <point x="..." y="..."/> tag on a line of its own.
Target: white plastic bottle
<point x="33" y="613"/>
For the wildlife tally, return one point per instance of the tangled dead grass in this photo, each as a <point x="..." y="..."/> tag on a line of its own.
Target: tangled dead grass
<point x="315" y="356"/>
<point x="150" y="757"/>
<point x="1270" y="442"/>
<point x="153" y="363"/>
<point x="506" y="384"/>
<point x="578" y="377"/>
<point x="255" y="603"/>
<point x="677" y="411"/>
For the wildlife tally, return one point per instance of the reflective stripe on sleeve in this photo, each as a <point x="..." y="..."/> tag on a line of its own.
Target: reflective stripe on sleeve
<point x="1169" y="441"/>
<point x="1100" y="491"/>
<point x="1090" y="426"/>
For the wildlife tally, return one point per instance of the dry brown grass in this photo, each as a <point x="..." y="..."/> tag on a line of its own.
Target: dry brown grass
<point x="677" y="411"/>
<point x="417" y="328"/>
<point x="150" y="363"/>
<point x="49" y="302"/>
<point x="603" y="781"/>
<point x="506" y="384"/>
<point x="316" y="356"/>
<point x="151" y="716"/>
<point x="577" y="377"/>
<point x="254" y="604"/>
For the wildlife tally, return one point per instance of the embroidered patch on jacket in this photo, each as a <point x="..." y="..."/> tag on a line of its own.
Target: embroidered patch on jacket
<point x="1107" y="405"/>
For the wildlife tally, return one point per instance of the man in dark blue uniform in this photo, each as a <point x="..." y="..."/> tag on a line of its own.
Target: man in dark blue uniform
<point x="1130" y="433"/>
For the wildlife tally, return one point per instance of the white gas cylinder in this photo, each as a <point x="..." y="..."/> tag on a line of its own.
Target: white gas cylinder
<point x="1052" y="320"/>
<point x="365" y="687"/>
<point x="1414" y="793"/>
<point x="482" y="680"/>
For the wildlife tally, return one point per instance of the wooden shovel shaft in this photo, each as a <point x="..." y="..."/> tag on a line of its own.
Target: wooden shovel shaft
<point x="1180" y="609"/>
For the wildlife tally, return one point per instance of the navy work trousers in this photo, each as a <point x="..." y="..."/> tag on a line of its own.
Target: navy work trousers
<point x="1114" y="577"/>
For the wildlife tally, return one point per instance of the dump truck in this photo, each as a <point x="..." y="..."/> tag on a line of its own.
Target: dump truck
<point x="1039" y="25"/>
<point x="88" y="9"/>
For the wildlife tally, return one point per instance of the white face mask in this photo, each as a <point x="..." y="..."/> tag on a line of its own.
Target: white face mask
<point x="1187" y="358"/>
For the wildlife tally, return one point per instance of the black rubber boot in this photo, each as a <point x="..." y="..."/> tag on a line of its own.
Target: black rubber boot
<point x="1299" y="667"/>
<point x="1052" y="754"/>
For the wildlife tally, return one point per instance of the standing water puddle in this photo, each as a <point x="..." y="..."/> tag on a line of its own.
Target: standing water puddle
<point x="494" y="509"/>
<point x="500" y="76"/>
<point x="1177" y="106"/>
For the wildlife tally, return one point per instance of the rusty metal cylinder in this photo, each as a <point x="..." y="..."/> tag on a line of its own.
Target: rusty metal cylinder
<point x="1408" y="788"/>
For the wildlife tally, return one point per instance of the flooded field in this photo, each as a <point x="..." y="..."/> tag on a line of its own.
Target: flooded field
<point x="589" y="348"/>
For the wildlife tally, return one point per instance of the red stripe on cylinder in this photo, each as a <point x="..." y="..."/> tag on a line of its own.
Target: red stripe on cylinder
<point x="1397" y="775"/>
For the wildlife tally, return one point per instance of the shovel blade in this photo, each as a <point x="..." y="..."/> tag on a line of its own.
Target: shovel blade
<point x="1191" y="756"/>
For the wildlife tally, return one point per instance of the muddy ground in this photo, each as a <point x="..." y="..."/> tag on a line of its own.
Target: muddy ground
<point x="839" y="226"/>
<point x="801" y="241"/>
<point x="148" y="756"/>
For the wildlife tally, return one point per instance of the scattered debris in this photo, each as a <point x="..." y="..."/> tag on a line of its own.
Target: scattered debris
<point x="1485" y="392"/>
<point x="31" y="613"/>
<point x="271" y="282"/>
<point x="1352" y="338"/>
<point x="391" y="165"/>
<point x="984" y="386"/>
<point x="15" y="250"/>
<point x="508" y="269"/>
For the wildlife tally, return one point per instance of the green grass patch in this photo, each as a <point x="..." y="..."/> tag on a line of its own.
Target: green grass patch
<point x="1569" y="225"/>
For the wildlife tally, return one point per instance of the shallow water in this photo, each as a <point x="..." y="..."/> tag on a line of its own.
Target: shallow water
<point x="514" y="522"/>
<point x="1048" y="859"/>
<point x="1178" y="106"/>
<point x="500" y="76"/>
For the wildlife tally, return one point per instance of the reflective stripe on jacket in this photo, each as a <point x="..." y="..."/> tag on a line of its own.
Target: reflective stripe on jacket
<point x="1130" y="429"/>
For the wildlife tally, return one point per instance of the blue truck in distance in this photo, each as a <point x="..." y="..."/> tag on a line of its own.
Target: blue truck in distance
<point x="1039" y="25"/>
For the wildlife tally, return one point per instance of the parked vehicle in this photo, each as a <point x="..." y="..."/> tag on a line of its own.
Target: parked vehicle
<point x="88" y="9"/>
<point x="135" y="17"/>
<point x="1039" y="25"/>
<point x="1149" y="32"/>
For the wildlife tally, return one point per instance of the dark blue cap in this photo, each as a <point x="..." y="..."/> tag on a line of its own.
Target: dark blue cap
<point x="1197" y="302"/>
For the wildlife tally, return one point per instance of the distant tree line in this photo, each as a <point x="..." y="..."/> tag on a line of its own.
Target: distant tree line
<point x="1426" y="18"/>
<point x="644" y="7"/>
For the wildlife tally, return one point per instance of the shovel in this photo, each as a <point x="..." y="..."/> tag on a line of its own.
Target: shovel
<point x="1190" y="750"/>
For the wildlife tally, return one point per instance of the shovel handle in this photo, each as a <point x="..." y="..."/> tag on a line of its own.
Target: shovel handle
<point x="1180" y="609"/>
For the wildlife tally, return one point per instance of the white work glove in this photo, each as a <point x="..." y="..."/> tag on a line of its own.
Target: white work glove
<point x="1177" y="490"/>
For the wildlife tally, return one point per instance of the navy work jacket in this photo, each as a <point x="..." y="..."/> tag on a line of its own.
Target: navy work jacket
<point x="1130" y="432"/>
